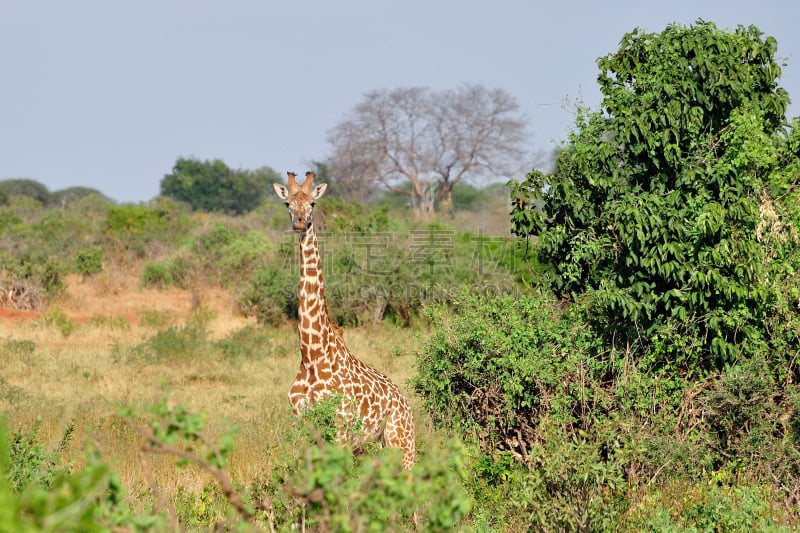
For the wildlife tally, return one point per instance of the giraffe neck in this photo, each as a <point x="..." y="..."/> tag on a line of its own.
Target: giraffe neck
<point x="313" y="317"/>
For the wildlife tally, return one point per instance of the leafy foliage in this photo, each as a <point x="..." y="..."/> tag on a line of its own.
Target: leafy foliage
<point x="38" y="494"/>
<point x="656" y="209"/>
<point x="136" y="229"/>
<point x="325" y="486"/>
<point x="89" y="261"/>
<point x="30" y="462"/>
<point x="213" y="186"/>
<point x="571" y="431"/>
<point x="320" y="484"/>
<point x="26" y="187"/>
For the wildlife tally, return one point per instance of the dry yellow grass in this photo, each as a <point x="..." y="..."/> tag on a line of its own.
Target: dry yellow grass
<point x="83" y="377"/>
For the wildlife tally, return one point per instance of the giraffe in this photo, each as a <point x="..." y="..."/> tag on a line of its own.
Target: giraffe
<point x="326" y="364"/>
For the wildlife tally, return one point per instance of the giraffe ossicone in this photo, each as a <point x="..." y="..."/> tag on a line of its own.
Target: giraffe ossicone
<point x="326" y="364"/>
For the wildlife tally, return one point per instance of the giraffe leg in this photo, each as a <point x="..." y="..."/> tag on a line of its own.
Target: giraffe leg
<point x="399" y="433"/>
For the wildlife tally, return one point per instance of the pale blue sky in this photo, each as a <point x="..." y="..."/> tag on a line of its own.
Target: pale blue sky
<point x="108" y="94"/>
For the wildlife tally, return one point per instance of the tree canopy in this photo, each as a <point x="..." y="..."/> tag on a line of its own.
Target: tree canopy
<point x="213" y="186"/>
<point x="429" y="140"/>
<point x="668" y="207"/>
<point x="26" y="187"/>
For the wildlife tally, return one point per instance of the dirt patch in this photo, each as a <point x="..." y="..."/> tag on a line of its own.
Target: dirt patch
<point x="14" y="314"/>
<point x="117" y="294"/>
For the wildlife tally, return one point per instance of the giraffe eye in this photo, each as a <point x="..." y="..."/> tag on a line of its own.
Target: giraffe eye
<point x="286" y="204"/>
<point x="312" y="204"/>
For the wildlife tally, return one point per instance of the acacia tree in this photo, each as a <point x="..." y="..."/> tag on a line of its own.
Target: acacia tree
<point x="664" y="210"/>
<point x="421" y="143"/>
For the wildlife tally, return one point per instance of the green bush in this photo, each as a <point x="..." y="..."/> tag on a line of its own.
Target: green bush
<point x="133" y="219"/>
<point x="317" y="484"/>
<point x="664" y="208"/>
<point x="322" y="485"/>
<point x="33" y="279"/>
<point x="60" y="320"/>
<point x="176" y="271"/>
<point x="566" y="484"/>
<point x="89" y="261"/>
<point x="30" y="462"/>
<point x="573" y="429"/>
<point x="228" y="256"/>
<point x="38" y="493"/>
<point x="501" y="363"/>
<point x="707" y="506"/>
<point x="271" y="295"/>
<point x="135" y="228"/>
<point x="174" y="345"/>
<point x="252" y="342"/>
<point x="337" y="215"/>
<point x="9" y="221"/>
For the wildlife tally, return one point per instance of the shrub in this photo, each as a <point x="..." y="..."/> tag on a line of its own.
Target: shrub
<point x="60" y="320"/>
<point x="270" y="296"/>
<point x="324" y="486"/>
<point x="174" y="344"/>
<point x="34" y="279"/>
<point x="250" y="342"/>
<point x="497" y="365"/>
<point x="658" y="207"/>
<point x="337" y="215"/>
<point x="228" y="256"/>
<point x="571" y="427"/>
<point x="707" y="507"/>
<point x="30" y="462"/>
<point x="133" y="219"/>
<point x="37" y="493"/>
<point x="176" y="271"/>
<point x="89" y="261"/>
<point x="134" y="228"/>
<point x="317" y="485"/>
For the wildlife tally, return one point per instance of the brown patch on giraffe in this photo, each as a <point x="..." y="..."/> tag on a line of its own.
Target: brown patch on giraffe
<point x="325" y="373"/>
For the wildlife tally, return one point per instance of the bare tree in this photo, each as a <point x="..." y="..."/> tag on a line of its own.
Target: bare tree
<point x="421" y="143"/>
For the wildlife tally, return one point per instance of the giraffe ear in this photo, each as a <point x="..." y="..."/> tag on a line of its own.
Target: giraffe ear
<point x="318" y="191"/>
<point x="281" y="191"/>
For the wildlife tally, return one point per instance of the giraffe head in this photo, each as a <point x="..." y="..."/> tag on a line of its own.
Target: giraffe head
<point x="299" y="199"/>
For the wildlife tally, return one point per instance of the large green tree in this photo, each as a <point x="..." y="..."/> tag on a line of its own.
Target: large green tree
<point x="668" y="208"/>
<point x="213" y="186"/>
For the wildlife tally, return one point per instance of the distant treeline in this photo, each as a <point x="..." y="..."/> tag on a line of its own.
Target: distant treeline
<point x="41" y="193"/>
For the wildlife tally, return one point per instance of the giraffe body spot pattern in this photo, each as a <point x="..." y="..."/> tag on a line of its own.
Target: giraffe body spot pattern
<point x="326" y="364"/>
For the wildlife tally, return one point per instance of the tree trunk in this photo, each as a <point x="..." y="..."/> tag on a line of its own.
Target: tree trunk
<point x="446" y="198"/>
<point x="423" y="199"/>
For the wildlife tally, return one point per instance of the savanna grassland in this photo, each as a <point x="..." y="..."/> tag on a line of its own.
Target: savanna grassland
<point x="117" y="318"/>
<point x="154" y="374"/>
<point x="107" y="342"/>
<point x="627" y="361"/>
